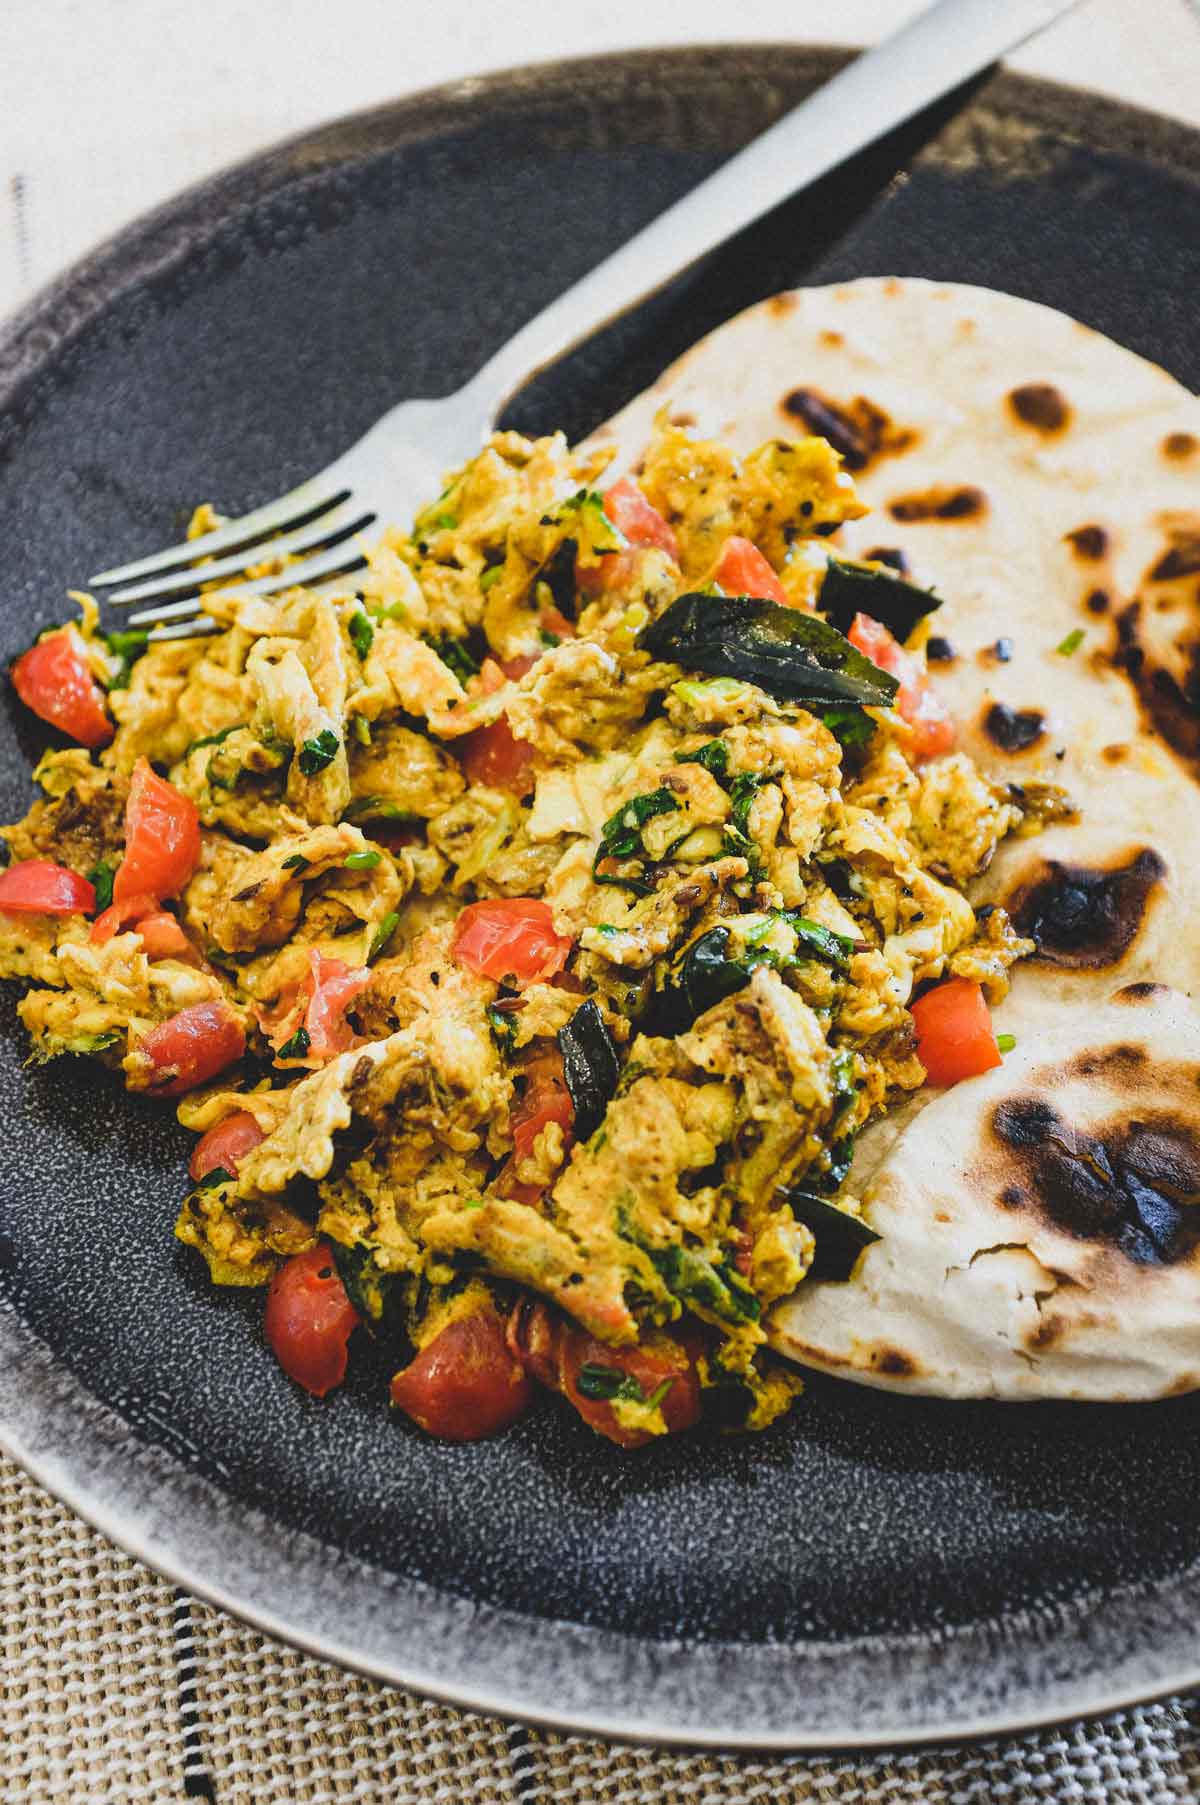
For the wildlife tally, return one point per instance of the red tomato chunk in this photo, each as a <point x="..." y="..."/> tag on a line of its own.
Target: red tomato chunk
<point x="642" y="524"/>
<point x="917" y="702"/>
<point x="465" y="1384"/>
<point x="162" y="838"/>
<point x="954" y="1032"/>
<point x="38" y="887"/>
<point x="309" y="1320"/>
<point x="191" y="1047"/>
<point x="224" y="1146"/>
<point x="743" y="570"/>
<point x="510" y="938"/>
<point x="54" y="679"/>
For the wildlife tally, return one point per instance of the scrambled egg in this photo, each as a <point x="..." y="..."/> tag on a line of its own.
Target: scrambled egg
<point x="749" y="904"/>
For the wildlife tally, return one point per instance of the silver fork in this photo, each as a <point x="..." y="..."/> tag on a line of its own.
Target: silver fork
<point x="399" y="463"/>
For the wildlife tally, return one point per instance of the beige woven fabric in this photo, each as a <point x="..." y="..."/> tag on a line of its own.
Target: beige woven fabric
<point x="115" y="1690"/>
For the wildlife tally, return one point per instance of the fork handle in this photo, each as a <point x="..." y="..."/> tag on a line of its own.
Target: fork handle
<point x="883" y="87"/>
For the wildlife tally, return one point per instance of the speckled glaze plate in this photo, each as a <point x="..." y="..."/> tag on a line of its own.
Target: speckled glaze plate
<point x="876" y="1570"/>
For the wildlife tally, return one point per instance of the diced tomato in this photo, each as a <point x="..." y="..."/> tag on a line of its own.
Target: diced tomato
<point x="510" y="938"/>
<point x="555" y="1351"/>
<point x="121" y="915"/>
<point x="495" y="757"/>
<point x="516" y="668"/>
<point x="162" y="937"/>
<point x="191" y="1047"/>
<point x="633" y="515"/>
<point x="614" y="570"/>
<point x="309" y="1320"/>
<point x="552" y="620"/>
<point x="545" y="1099"/>
<point x="954" y="1032"/>
<point x="743" y="570"/>
<point x="162" y="838"/>
<point x="39" y="887"/>
<point x="490" y="679"/>
<point x="465" y="1384"/>
<point x="334" y="988"/>
<point x="225" y="1145"/>
<point x="54" y="679"/>
<point x="917" y="701"/>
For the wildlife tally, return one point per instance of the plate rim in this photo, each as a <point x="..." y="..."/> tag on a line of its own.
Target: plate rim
<point x="38" y="1395"/>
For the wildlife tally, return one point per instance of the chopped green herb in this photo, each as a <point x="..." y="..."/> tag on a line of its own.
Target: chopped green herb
<point x="852" y="726"/>
<point x="382" y="935"/>
<point x="456" y="656"/>
<point x="296" y="1047"/>
<point x="216" y="1176"/>
<point x="378" y="808"/>
<point x="362" y="633"/>
<point x="713" y="755"/>
<point x="318" y="752"/>
<point x="490" y="577"/>
<point x="1072" y="642"/>
<point x="101" y="879"/>
<point x="549" y="640"/>
<point x="214" y="739"/>
<point x="504" y="1028"/>
<point x="297" y="862"/>
<point x="706" y="1285"/>
<point x="363" y="861"/>
<point x="607" y="928"/>
<point x="604" y="1383"/>
<point x="362" y="729"/>
<point x="821" y="942"/>
<point x="621" y="836"/>
<point x="1006" y="1042"/>
<point x="128" y="646"/>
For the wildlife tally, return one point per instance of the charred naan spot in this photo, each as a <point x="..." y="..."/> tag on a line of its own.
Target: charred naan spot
<point x="831" y="338"/>
<point x="1144" y="991"/>
<point x="1182" y="560"/>
<point x="1178" y="446"/>
<point x="1115" y="754"/>
<point x="1085" y="918"/>
<point x="892" y="556"/>
<point x="1097" y="601"/>
<point x="939" y="650"/>
<point x="1012" y="1197"/>
<point x="1014" y="729"/>
<point x="894" y="1363"/>
<point x="859" y="430"/>
<point x="1125" y="1063"/>
<point x="999" y="652"/>
<point x="1050" y="1329"/>
<point x="940" y="503"/>
<point x="1042" y="406"/>
<point x="1090" y="542"/>
<point x="684" y="420"/>
<point x="781" y="305"/>
<point x="1171" y="701"/>
<point x="1134" y="1184"/>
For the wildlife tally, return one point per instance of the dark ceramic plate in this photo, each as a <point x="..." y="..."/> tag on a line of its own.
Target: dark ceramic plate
<point x="877" y="1569"/>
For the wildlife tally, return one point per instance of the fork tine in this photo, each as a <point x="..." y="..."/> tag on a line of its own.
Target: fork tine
<point x="337" y="525"/>
<point x="285" y="510"/>
<point x="196" y="629"/>
<point x="332" y="562"/>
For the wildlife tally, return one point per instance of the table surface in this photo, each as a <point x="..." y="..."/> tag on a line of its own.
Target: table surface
<point x="112" y="1688"/>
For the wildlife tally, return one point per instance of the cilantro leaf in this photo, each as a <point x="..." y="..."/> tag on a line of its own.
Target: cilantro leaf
<point x="318" y="752"/>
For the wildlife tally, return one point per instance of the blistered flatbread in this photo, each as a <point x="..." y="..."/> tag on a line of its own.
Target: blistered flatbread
<point x="1036" y="1222"/>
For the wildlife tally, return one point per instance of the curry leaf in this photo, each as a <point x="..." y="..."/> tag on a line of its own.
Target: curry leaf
<point x="362" y="633"/>
<point x="850" y="589"/>
<point x="794" y="656"/>
<point x="296" y="1047"/>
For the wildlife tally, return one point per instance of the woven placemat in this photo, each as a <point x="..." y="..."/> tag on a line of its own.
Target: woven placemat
<point x="115" y="1687"/>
